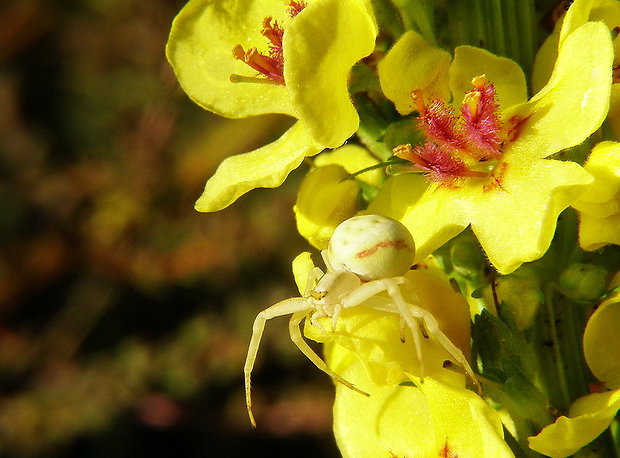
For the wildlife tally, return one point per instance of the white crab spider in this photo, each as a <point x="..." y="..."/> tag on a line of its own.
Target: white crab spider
<point x="367" y="255"/>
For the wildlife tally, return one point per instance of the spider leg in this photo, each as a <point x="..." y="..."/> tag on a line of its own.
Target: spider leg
<point x="314" y="318"/>
<point x="297" y="338"/>
<point x="313" y="276"/>
<point x="336" y="315"/>
<point x="405" y="311"/>
<point x="286" y="307"/>
<point x="433" y="328"/>
<point x="390" y="285"/>
<point x="430" y="326"/>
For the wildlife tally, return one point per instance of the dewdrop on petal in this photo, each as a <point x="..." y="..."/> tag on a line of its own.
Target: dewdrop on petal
<point x="372" y="247"/>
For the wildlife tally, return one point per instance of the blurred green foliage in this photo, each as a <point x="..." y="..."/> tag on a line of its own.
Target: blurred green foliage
<point x="125" y="314"/>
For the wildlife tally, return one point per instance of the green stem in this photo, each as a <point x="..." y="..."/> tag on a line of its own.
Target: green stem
<point x="559" y="366"/>
<point x="504" y="27"/>
<point x="498" y="8"/>
<point x="458" y="25"/>
<point x="512" y="30"/>
<point x="527" y="36"/>
<point x="562" y="366"/>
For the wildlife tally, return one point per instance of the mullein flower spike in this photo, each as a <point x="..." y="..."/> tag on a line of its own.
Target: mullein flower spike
<point x="440" y="342"/>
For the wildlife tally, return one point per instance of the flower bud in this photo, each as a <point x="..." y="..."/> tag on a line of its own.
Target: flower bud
<point x="325" y="199"/>
<point x="466" y="257"/>
<point x="583" y="282"/>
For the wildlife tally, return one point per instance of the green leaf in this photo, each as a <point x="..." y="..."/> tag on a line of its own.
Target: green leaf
<point x="502" y="349"/>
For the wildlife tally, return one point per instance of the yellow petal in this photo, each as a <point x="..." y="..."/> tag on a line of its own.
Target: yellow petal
<point x="547" y="54"/>
<point x="607" y="209"/>
<point x="582" y="11"/>
<point x="506" y="75"/>
<point x="575" y="101"/>
<point x="516" y="222"/>
<point x="599" y="206"/>
<point x="302" y="265"/>
<point x="601" y="343"/>
<point x="575" y="17"/>
<point x="327" y="196"/>
<point x="200" y="51"/>
<point x="432" y="214"/>
<point x="595" y="233"/>
<point x="578" y="14"/>
<point x="320" y="47"/>
<point x="590" y="416"/>
<point x="431" y="420"/>
<point x="413" y="63"/>
<point x="266" y="167"/>
<point x="604" y="164"/>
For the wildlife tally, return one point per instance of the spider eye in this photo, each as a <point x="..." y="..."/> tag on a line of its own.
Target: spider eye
<point x="372" y="247"/>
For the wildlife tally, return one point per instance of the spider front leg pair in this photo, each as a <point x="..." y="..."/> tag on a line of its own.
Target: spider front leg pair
<point x="367" y="256"/>
<point x="299" y="308"/>
<point x="419" y="321"/>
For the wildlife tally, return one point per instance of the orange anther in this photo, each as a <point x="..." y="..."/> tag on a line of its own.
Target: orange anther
<point x="418" y="99"/>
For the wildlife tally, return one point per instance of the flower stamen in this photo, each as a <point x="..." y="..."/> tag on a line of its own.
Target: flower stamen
<point x="464" y="146"/>
<point x="437" y="165"/>
<point x="271" y="64"/>
<point x="273" y="32"/>
<point x="259" y="62"/>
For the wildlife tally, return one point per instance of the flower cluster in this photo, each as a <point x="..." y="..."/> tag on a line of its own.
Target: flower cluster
<point x="501" y="159"/>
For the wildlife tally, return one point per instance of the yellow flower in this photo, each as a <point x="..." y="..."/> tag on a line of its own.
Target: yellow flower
<point x="580" y="11"/>
<point x="302" y="62"/>
<point x="599" y="206"/>
<point x="601" y="340"/>
<point x="414" y="64"/>
<point x="589" y="416"/>
<point x="513" y="204"/>
<point x="431" y="419"/>
<point x="405" y="416"/>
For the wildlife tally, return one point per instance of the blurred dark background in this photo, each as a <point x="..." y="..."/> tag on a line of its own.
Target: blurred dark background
<point x="124" y="314"/>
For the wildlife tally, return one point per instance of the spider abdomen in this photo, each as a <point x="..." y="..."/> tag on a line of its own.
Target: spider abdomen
<point x="372" y="247"/>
